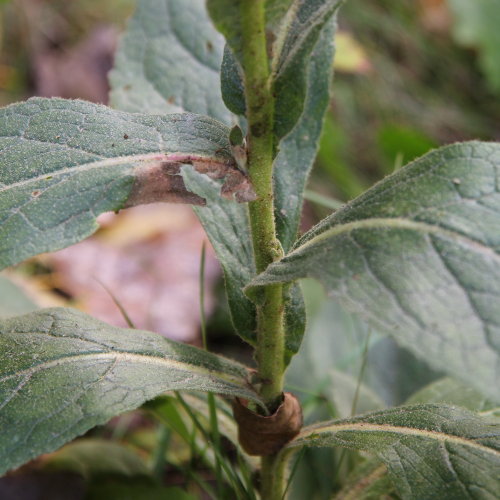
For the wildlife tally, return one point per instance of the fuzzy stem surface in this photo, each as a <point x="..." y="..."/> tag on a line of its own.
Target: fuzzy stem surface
<point x="260" y="140"/>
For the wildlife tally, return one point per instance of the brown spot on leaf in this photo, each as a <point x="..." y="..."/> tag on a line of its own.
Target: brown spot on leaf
<point x="125" y="136"/>
<point x="36" y="193"/>
<point x="161" y="180"/>
<point x="210" y="46"/>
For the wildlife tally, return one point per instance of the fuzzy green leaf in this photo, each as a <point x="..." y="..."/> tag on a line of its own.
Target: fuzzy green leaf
<point x="297" y="150"/>
<point x="227" y="225"/>
<point x="417" y="256"/>
<point x="293" y="35"/>
<point x="63" y="372"/>
<point x="430" y="451"/>
<point x="169" y="60"/>
<point x="295" y="41"/>
<point x="64" y="162"/>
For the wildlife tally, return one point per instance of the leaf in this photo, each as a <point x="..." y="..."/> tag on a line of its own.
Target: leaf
<point x="449" y="391"/>
<point x="295" y="41"/>
<point x="416" y="255"/>
<point x="131" y="489"/>
<point x="293" y="36"/>
<point x="369" y="481"/>
<point x="63" y="372"/>
<point x="226" y="17"/>
<point x="476" y="25"/>
<point x="228" y="227"/>
<point x="297" y="150"/>
<point x="430" y="451"/>
<point x="232" y="86"/>
<point x="169" y="60"/>
<point x="331" y="355"/>
<point x="94" y="457"/>
<point x="64" y="162"/>
<point x="13" y="300"/>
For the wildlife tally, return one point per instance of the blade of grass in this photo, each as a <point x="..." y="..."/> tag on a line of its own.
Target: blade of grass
<point x="247" y="476"/>
<point x="356" y="393"/>
<point x="324" y="201"/>
<point x="293" y="471"/>
<point x="214" y="427"/>
<point x="118" y="304"/>
<point x="159" y="460"/>
<point x="361" y="373"/>
<point x="230" y="474"/>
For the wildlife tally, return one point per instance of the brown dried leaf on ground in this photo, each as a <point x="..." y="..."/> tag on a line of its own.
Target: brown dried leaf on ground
<point x="79" y="72"/>
<point x="148" y="257"/>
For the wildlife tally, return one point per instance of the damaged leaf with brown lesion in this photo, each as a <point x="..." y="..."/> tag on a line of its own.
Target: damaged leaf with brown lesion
<point x="161" y="180"/>
<point x="64" y="162"/>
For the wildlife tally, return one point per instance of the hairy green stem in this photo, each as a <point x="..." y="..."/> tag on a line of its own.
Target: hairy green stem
<point x="260" y="140"/>
<point x="260" y="110"/>
<point x="273" y="477"/>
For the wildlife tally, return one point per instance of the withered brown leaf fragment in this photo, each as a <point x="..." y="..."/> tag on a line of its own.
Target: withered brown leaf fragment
<point x="161" y="180"/>
<point x="265" y="435"/>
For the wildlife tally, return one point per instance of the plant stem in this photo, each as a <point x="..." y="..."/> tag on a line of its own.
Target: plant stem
<point x="260" y="110"/>
<point x="260" y="140"/>
<point x="272" y="477"/>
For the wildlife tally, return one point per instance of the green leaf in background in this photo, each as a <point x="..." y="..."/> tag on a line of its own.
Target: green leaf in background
<point x="92" y="457"/>
<point x="133" y="489"/>
<point x="416" y="255"/>
<point x="226" y="17"/>
<point x="431" y="451"/>
<point x="169" y="60"/>
<point x="64" y="162"/>
<point x="476" y="25"/>
<point x="452" y="392"/>
<point x="368" y="481"/>
<point x="13" y="300"/>
<point x="63" y="372"/>
<point x="331" y="160"/>
<point x="401" y="144"/>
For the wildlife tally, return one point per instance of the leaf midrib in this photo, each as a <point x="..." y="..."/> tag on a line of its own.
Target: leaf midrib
<point x="127" y="357"/>
<point x="394" y="223"/>
<point x="176" y="157"/>
<point x="386" y="428"/>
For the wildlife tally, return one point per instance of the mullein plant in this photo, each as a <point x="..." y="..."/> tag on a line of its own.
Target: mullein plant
<point x="220" y="104"/>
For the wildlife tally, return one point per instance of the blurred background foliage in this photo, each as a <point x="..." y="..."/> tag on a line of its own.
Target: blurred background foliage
<point x="411" y="75"/>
